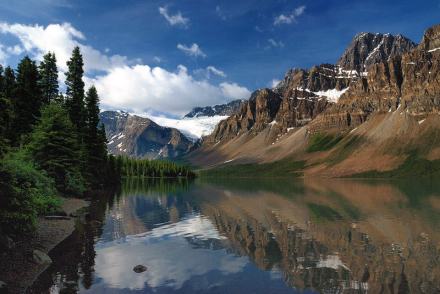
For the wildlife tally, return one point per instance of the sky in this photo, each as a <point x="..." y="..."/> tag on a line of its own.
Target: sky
<point x="165" y="57"/>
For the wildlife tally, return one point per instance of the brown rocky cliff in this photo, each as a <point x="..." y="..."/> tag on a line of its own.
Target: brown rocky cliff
<point x="410" y="80"/>
<point x="304" y="94"/>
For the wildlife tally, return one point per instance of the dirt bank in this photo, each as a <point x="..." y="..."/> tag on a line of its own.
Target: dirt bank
<point x="18" y="267"/>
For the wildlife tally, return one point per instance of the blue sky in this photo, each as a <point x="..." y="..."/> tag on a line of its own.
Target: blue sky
<point x="242" y="43"/>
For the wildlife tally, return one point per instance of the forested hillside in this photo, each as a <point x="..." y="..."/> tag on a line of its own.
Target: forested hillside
<point x="50" y="144"/>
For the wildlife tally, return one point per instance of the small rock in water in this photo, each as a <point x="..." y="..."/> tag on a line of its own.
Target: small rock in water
<point x="3" y="288"/>
<point x="139" y="268"/>
<point x="40" y="257"/>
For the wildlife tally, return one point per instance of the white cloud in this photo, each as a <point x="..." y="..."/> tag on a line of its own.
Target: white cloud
<point x="157" y="59"/>
<point x="288" y="19"/>
<point x="209" y="71"/>
<point x="220" y="13"/>
<point x="15" y="50"/>
<point x="193" y="50"/>
<point x="276" y="44"/>
<point x="122" y="83"/>
<point x="176" y="19"/>
<point x="234" y="91"/>
<point x="141" y="88"/>
<point x="61" y="39"/>
<point x="216" y="71"/>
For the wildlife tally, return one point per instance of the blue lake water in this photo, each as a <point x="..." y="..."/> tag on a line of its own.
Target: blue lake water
<point x="254" y="236"/>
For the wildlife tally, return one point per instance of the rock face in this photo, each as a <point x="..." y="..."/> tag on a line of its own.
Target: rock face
<point x="367" y="49"/>
<point x="222" y="109"/>
<point x="370" y="67"/>
<point x="408" y="82"/>
<point x="140" y="137"/>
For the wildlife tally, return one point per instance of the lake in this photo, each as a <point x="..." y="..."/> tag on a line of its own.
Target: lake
<point x="254" y="236"/>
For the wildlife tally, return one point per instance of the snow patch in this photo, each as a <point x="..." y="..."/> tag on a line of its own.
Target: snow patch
<point x="374" y="50"/>
<point x="421" y="121"/>
<point x="228" y="161"/>
<point x="193" y="128"/>
<point x="332" y="95"/>
<point x="433" y="50"/>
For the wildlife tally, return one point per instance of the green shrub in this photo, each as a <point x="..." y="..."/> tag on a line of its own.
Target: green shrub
<point x="286" y="168"/>
<point x="25" y="192"/>
<point x="322" y="142"/>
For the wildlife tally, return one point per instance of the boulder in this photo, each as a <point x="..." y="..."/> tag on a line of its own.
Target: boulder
<point x="139" y="268"/>
<point x="41" y="258"/>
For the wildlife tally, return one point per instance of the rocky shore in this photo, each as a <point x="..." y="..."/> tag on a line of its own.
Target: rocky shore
<point x="24" y="259"/>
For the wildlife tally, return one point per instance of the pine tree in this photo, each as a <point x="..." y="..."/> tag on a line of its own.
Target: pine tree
<point x="54" y="147"/>
<point x="9" y="83"/>
<point x="5" y="115"/>
<point x="49" y="78"/>
<point x="75" y="89"/>
<point x="92" y="112"/>
<point x="94" y="139"/>
<point x="26" y="98"/>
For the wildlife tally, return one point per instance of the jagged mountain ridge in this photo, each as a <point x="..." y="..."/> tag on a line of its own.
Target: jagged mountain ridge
<point x="385" y="112"/>
<point x="226" y="109"/>
<point x="140" y="137"/>
<point x="368" y="48"/>
<point x="303" y="94"/>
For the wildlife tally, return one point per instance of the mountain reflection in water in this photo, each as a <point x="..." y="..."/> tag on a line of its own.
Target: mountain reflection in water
<point x="255" y="236"/>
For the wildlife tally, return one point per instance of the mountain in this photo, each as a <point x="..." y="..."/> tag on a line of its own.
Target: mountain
<point x="374" y="110"/>
<point x="368" y="48"/>
<point x="216" y="110"/>
<point x="137" y="136"/>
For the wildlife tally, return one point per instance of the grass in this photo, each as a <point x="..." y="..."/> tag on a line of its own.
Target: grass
<point x="278" y="169"/>
<point x="322" y="142"/>
<point x="413" y="166"/>
<point x="344" y="149"/>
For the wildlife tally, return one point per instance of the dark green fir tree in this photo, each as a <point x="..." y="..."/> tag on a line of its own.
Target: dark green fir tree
<point x="49" y="78"/>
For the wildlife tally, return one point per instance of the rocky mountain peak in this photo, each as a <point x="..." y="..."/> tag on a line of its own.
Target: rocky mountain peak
<point x="221" y="110"/>
<point x="141" y="137"/>
<point x="431" y="39"/>
<point x="370" y="48"/>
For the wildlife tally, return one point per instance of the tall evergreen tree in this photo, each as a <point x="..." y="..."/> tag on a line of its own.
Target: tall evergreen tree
<point x="94" y="139"/>
<point x="75" y="89"/>
<point x="54" y="147"/>
<point x="7" y="86"/>
<point x="49" y="78"/>
<point x="5" y="114"/>
<point x="26" y="98"/>
<point x="9" y="82"/>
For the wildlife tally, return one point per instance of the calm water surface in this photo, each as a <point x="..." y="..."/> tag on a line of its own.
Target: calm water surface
<point x="255" y="236"/>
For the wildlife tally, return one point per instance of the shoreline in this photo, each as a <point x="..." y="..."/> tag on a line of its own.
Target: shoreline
<point x="20" y="267"/>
